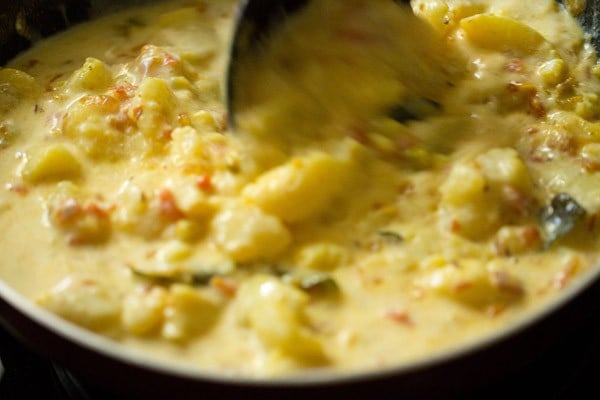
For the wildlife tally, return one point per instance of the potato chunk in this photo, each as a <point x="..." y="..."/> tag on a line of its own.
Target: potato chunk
<point x="301" y="188"/>
<point x="321" y="256"/>
<point x="89" y="122"/>
<point x="81" y="222"/>
<point x="515" y="240"/>
<point x="275" y="312"/>
<point x="504" y="166"/>
<point x="503" y="34"/>
<point x="435" y="12"/>
<point x="158" y="103"/>
<point x="94" y="75"/>
<point x="51" y="163"/>
<point x="479" y="196"/>
<point x="246" y="233"/>
<point x="143" y="310"/>
<point x="188" y="312"/>
<point x="85" y="302"/>
<point x="475" y="284"/>
<point x="553" y="72"/>
<point x="15" y="86"/>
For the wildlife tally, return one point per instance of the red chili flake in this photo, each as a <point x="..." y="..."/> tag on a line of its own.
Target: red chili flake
<point x="167" y="134"/>
<point x="562" y="278"/>
<point x="536" y="156"/>
<point x="88" y="282"/>
<point x="561" y="141"/>
<point x="518" y="201"/>
<point x="515" y="65"/>
<point x="70" y="210"/>
<point x="532" y="236"/>
<point x="536" y="105"/>
<point x="119" y="121"/>
<point x="95" y="210"/>
<point x="225" y="286"/>
<point x="17" y="188"/>
<point x="205" y="183"/>
<point x="137" y="112"/>
<point x="147" y="288"/>
<point x="120" y="92"/>
<point x="400" y="316"/>
<point x="454" y="225"/>
<point x="73" y="240"/>
<point x="462" y="286"/>
<point x="124" y="91"/>
<point x="170" y="60"/>
<point x="495" y="310"/>
<point x="168" y="207"/>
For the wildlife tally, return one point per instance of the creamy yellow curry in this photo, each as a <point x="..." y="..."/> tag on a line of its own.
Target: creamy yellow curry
<point x="343" y="240"/>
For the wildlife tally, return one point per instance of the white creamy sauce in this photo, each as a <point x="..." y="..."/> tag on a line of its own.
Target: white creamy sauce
<point x="127" y="206"/>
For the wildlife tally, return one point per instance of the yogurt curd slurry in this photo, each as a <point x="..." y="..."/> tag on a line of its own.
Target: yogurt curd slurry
<point x="378" y="237"/>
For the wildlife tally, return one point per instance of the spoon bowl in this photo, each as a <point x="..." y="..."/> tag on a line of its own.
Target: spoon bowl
<point x="334" y="65"/>
<point x="589" y="19"/>
<point x="257" y="19"/>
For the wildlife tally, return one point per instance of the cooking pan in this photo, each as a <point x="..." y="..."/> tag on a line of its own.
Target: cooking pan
<point x="478" y="369"/>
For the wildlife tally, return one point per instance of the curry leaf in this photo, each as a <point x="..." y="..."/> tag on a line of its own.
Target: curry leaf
<point x="560" y="217"/>
<point x="187" y="278"/>
<point x="415" y="109"/>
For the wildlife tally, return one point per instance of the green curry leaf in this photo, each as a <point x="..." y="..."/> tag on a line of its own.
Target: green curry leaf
<point x="560" y="217"/>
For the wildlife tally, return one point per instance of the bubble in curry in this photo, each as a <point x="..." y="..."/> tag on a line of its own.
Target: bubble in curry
<point x="420" y="215"/>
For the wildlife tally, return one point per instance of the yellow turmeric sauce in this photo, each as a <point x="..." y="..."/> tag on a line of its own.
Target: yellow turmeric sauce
<point x="351" y="241"/>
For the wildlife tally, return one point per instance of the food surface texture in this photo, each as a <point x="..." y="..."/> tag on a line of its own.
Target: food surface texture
<point x="411" y="222"/>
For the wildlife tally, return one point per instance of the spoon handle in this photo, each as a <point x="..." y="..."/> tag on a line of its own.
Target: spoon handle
<point x="255" y="20"/>
<point x="263" y="15"/>
<point x="590" y="20"/>
<point x="258" y="17"/>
